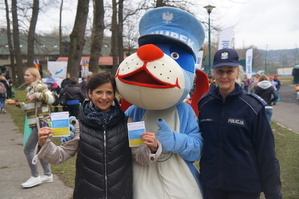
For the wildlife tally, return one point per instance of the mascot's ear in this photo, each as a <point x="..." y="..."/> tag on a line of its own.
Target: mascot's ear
<point x="124" y="104"/>
<point x="201" y="87"/>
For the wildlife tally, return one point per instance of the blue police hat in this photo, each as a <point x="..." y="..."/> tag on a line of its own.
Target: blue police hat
<point x="226" y="57"/>
<point x="166" y="25"/>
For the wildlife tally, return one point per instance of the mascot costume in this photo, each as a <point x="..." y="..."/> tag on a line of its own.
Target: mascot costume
<point x="155" y="80"/>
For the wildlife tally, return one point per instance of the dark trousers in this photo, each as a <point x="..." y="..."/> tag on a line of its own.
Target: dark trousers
<point x="210" y="193"/>
<point x="72" y="109"/>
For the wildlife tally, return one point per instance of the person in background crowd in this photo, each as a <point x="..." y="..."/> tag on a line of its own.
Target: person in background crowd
<point x="212" y="82"/>
<point x="3" y="93"/>
<point x="83" y="86"/>
<point x="247" y="83"/>
<point x="277" y="82"/>
<point x="50" y="80"/>
<point x="265" y="90"/>
<point x="38" y="99"/>
<point x="66" y="81"/>
<point x="104" y="159"/>
<point x="238" y="158"/>
<point x="89" y="75"/>
<point x="256" y="80"/>
<point x="74" y="97"/>
<point x="271" y="79"/>
<point x="277" y="85"/>
<point x="9" y="83"/>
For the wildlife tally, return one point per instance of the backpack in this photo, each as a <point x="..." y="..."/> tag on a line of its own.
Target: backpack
<point x="2" y="88"/>
<point x="56" y="102"/>
<point x="62" y="99"/>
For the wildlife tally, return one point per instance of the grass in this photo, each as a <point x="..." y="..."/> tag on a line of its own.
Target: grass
<point x="287" y="153"/>
<point x="286" y="79"/>
<point x="286" y="141"/>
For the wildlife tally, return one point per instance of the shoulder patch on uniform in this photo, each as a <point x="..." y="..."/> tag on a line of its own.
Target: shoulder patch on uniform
<point x="261" y="100"/>
<point x="254" y="101"/>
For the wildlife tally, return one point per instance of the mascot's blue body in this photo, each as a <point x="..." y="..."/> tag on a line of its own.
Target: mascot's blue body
<point x="156" y="79"/>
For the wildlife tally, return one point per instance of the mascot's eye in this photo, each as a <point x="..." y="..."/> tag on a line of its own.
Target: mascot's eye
<point x="175" y="55"/>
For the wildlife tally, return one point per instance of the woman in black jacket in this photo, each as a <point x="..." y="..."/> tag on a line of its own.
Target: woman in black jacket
<point x="74" y="97"/>
<point x="265" y="90"/>
<point x="104" y="164"/>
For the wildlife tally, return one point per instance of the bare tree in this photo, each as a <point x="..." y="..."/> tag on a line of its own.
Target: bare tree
<point x="120" y="42"/>
<point x="60" y="28"/>
<point x="130" y="39"/>
<point x="160" y="3"/>
<point x="97" y="35"/>
<point x="77" y="38"/>
<point x="114" y="30"/>
<point x="16" y="42"/>
<point x="31" y="33"/>
<point x="9" y="41"/>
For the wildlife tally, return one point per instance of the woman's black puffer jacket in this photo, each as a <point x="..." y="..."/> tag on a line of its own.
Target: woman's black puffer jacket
<point x="104" y="165"/>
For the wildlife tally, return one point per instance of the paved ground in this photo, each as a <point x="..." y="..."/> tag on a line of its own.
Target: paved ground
<point x="286" y="112"/>
<point x="14" y="169"/>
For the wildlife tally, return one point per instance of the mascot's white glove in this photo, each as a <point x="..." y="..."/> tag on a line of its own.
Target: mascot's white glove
<point x="165" y="136"/>
<point x="74" y="124"/>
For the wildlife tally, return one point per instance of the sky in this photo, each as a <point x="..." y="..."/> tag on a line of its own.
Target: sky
<point x="265" y="24"/>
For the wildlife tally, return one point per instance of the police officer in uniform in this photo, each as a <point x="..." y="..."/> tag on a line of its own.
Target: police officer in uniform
<point x="238" y="159"/>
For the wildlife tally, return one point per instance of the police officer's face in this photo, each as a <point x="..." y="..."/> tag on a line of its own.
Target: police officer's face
<point x="226" y="77"/>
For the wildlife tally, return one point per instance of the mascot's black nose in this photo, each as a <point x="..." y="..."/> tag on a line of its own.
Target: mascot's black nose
<point x="149" y="52"/>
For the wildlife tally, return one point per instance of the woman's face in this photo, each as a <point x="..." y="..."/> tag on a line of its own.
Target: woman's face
<point x="103" y="96"/>
<point x="226" y="77"/>
<point x="28" y="77"/>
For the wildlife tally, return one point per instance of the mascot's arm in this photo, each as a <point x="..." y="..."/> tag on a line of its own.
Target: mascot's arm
<point x="135" y="113"/>
<point x="188" y="143"/>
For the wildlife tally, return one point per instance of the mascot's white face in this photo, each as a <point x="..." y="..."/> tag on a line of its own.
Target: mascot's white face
<point x="152" y="79"/>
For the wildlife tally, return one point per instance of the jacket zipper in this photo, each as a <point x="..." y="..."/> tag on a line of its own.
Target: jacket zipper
<point x="221" y="146"/>
<point x="105" y="163"/>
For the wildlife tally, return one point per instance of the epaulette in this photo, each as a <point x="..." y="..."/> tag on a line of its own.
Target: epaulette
<point x="261" y="100"/>
<point x="254" y="101"/>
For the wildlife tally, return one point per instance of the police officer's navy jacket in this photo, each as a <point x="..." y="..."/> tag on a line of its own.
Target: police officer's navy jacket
<point x="238" y="152"/>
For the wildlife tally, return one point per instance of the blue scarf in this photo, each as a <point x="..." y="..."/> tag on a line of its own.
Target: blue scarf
<point x="93" y="114"/>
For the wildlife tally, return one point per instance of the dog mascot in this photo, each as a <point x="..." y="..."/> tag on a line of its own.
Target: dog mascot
<point x="155" y="80"/>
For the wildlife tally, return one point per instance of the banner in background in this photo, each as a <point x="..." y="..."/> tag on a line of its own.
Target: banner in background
<point x="198" y="64"/>
<point x="225" y="38"/>
<point x="249" y="63"/>
<point x="84" y="68"/>
<point x="58" y="70"/>
<point x="36" y="64"/>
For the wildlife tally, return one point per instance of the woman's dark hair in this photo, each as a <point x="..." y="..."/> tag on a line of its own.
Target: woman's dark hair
<point x="73" y="80"/>
<point x="99" y="79"/>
